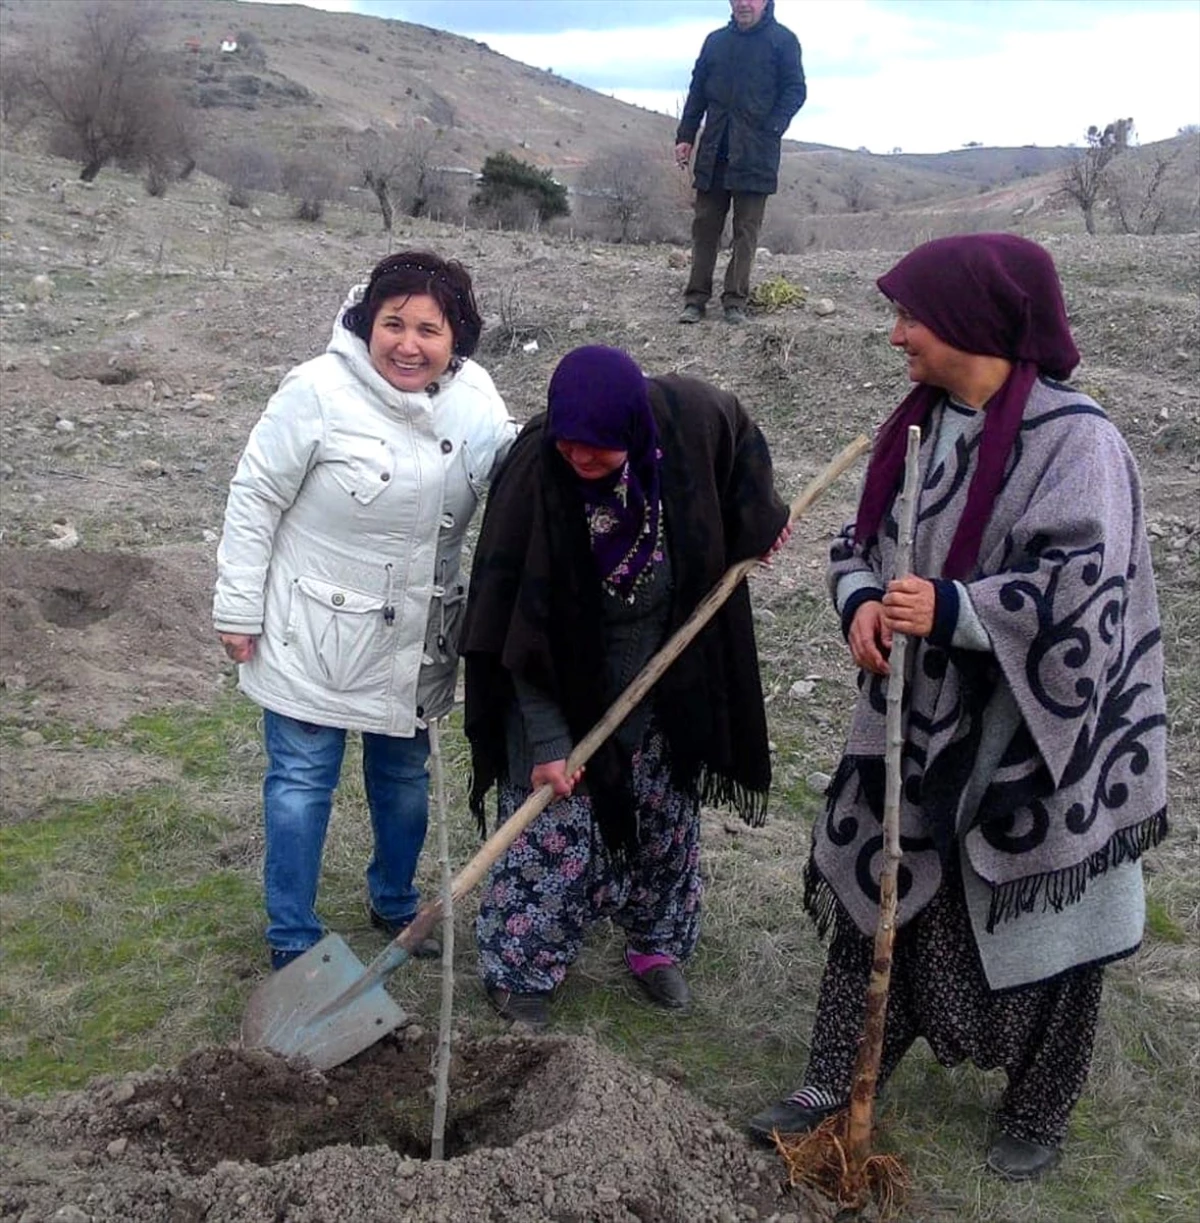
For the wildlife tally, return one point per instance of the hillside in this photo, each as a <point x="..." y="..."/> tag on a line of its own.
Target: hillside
<point x="304" y="79"/>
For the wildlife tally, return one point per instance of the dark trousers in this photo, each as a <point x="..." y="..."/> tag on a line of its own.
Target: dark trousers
<point x="708" y="221"/>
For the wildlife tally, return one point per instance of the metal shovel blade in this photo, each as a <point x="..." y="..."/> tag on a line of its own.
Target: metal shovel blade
<point x="310" y="1008"/>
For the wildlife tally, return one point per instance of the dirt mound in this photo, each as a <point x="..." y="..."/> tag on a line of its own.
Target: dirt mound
<point x="97" y="635"/>
<point x="537" y="1130"/>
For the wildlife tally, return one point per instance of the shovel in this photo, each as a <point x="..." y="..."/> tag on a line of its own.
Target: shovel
<point x="325" y="1006"/>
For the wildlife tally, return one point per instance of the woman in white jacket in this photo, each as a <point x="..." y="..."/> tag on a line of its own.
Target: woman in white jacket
<point x="338" y="589"/>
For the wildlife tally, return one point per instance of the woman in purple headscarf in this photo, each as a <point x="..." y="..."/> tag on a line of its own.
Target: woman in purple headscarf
<point x="1034" y="773"/>
<point x="616" y="513"/>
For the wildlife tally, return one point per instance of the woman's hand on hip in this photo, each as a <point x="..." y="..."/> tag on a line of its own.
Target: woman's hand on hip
<point x="870" y="639"/>
<point x="239" y="647"/>
<point x="554" y="773"/>
<point x="909" y="605"/>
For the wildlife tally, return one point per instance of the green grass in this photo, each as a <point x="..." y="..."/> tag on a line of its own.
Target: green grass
<point x="202" y="741"/>
<point x="118" y="937"/>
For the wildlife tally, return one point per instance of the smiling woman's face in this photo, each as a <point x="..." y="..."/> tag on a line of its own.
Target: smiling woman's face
<point x="591" y="462"/>
<point x="930" y="359"/>
<point x="411" y="342"/>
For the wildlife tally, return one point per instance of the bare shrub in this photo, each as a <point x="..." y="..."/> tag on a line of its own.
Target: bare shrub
<point x="783" y="232"/>
<point x="517" y="326"/>
<point x="18" y="98"/>
<point x="446" y="196"/>
<point x="518" y="211"/>
<point x="1155" y="191"/>
<point x="107" y="90"/>
<point x="312" y="181"/>
<point x="246" y="168"/>
<point x="619" y="187"/>
<point x="856" y="192"/>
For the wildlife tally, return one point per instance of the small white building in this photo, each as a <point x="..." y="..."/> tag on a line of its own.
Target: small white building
<point x="228" y="45"/>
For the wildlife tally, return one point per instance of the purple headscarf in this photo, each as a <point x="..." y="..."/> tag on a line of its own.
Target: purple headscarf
<point x="598" y="397"/>
<point x="996" y="295"/>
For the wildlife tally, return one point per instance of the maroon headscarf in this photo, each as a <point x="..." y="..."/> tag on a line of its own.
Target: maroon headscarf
<point x="598" y="397"/>
<point x="996" y="295"/>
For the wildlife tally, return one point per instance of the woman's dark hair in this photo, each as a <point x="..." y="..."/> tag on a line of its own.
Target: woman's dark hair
<point x="416" y="273"/>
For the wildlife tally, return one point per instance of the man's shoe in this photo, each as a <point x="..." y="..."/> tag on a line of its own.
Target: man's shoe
<point x="735" y="315"/>
<point x="1017" y="1159"/>
<point x="691" y="314"/>
<point x="531" y="1009"/>
<point x="788" y="1117"/>
<point x="426" y="949"/>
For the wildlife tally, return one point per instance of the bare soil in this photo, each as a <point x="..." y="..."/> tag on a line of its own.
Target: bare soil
<point x="540" y="1130"/>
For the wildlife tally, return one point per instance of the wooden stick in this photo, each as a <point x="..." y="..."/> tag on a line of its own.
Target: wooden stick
<point x="442" y="1089"/>
<point x="496" y="845"/>
<point x="870" y="1049"/>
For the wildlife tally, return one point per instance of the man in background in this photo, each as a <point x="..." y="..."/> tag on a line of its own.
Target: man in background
<point x="747" y="85"/>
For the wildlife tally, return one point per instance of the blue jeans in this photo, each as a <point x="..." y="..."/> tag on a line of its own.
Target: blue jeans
<point x="304" y="764"/>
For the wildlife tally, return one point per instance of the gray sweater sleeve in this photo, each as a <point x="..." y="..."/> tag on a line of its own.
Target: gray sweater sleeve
<point x="546" y="729"/>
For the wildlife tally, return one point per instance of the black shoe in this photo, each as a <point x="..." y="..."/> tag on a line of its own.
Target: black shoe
<point x="1017" y="1159"/>
<point x="426" y="949"/>
<point x="788" y="1117"/>
<point x="532" y="1009"/>
<point x="281" y="958"/>
<point x="665" y="986"/>
<point x="735" y="315"/>
<point x="691" y="313"/>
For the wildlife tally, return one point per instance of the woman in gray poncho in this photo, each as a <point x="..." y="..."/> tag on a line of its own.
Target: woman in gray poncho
<point x="1034" y="771"/>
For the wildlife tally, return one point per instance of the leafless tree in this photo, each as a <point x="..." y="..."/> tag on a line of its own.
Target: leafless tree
<point x="398" y="168"/>
<point x="108" y="92"/>
<point x="620" y="186"/>
<point x="1135" y="193"/>
<point x="1085" y="180"/>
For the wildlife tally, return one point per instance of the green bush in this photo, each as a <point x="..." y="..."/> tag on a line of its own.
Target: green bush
<point x="507" y="180"/>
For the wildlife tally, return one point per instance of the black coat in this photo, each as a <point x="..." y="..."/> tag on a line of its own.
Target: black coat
<point x="534" y="607"/>
<point x="747" y="85"/>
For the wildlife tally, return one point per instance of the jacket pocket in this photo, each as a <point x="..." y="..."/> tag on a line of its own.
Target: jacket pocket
<point x="335" y="631"/>
<point x="366" y="472"/>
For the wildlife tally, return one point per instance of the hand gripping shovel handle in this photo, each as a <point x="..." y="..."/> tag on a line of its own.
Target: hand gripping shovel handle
<point x="494" y="847"/>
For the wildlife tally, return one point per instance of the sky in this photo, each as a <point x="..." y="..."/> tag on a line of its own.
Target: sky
<point x="922" y="76"/>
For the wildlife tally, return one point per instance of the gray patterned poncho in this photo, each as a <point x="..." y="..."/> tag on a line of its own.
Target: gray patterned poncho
<point x="1034" y="755"/>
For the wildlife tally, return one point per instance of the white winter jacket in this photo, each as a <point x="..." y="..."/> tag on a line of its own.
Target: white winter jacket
<point x="343" y="538"/>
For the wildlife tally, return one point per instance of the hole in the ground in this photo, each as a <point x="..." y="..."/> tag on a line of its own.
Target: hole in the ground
<point x="250" y="1106"/>
<point x="88" y="588"/>
<point x="117" y="375"/>
<point x="71" y="608"/>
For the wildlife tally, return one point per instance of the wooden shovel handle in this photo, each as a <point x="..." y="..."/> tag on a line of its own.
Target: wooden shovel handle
<point x="495" y="846"/>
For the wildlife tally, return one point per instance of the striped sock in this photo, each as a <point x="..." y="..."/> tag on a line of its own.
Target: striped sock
<point x="815" y="1097"/>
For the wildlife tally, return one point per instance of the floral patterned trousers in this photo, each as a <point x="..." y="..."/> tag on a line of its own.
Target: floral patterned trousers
<point x="557" y="878"/>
